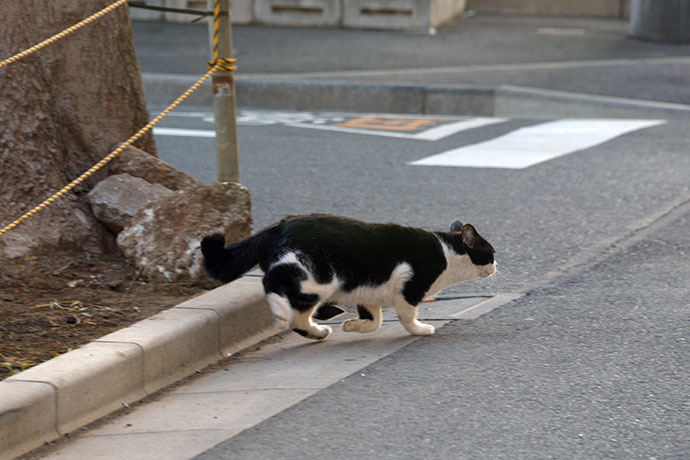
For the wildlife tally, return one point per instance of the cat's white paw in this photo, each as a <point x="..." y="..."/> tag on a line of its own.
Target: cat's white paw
<point x="319" y="332"/>
<point x="352" y="325"/>
<point x="280" y="323"/>
<point x="359" y="325"/>
<point x="315" y="332"/>
<point x="422" y="329"/>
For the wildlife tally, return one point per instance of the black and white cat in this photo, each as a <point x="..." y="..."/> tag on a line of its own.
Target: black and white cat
<point x="314" y="261"/>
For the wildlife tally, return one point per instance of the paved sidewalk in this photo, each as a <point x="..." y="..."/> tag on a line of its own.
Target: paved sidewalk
<point x="252" y="386"/>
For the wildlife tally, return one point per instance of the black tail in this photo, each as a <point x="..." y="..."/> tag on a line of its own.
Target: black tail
<point x="229" y="263"/>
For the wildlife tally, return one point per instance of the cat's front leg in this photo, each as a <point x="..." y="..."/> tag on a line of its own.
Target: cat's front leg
<point x="408" y="317"/>
<point x="370" y="319"/>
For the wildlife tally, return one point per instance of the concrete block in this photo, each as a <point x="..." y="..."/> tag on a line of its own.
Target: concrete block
<point x="400" y="14"/>
<point x="91" y="381"/>
<point x="467" y="101"/>
<point x="241" y="11"/>
<point x="28" y="416"/>
<point x="245" y="317"/>
<point x="183" y="4"/>
<point x="665" y="21"/>
<point x="298" y="12"/>
<point x="592" y="8"/>
<point x="175" y="343"/>
<point x="330" y="96"/>
<point x="512" y="101"/>
<point x="445" y="10"/>
<point x="159" y="87"/>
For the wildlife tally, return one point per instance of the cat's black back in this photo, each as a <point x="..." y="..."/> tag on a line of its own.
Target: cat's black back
<point x="359" y="253"/>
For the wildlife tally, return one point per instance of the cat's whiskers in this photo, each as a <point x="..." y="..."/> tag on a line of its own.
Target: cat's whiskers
<point x="499" y="281"/>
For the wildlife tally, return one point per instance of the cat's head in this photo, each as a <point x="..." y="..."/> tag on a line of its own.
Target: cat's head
<point x="479" y="250"/>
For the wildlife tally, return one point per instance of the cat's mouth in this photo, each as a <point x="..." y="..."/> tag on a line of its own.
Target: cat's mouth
<point x="489" y="270"/>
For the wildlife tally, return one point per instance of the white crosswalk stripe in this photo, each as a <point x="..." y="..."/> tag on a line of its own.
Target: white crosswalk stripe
<point x="518" y="149"/>
<point x="528" y="146"/>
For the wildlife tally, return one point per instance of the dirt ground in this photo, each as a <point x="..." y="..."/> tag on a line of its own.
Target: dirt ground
<point x="53" y="303"/>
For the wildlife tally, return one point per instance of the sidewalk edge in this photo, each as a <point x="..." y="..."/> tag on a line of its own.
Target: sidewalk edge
<point x="439" y="99"/>
<point x="60" y="395"/>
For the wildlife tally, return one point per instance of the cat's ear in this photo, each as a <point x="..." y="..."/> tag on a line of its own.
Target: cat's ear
<point x="456" y="226"/>
<point x="470" y="236"/>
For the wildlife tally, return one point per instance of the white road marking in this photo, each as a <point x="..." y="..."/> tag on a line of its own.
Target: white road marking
<point x="184" y="132"/>
<point x="326" y="122"/>
<point x="528" y="146"/>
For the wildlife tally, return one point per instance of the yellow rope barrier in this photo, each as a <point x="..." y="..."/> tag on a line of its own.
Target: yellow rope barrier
<point x="112" y="155"/>
<point x="62" y="34"/>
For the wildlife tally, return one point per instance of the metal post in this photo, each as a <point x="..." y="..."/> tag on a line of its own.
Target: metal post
<point x="224" y="104"/>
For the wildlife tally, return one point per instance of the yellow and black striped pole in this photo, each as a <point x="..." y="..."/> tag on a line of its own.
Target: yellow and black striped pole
<point x="224" y="103"/>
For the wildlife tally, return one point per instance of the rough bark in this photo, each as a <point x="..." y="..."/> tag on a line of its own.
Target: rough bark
<point x="62" y="109"/>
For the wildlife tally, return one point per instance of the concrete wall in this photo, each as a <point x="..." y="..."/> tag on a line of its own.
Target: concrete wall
<point x="241" y="11"/>
<point x="596" y="8"/>
<point x="384" y="14"/>
<point x="379" y="14"/>
<point x="656" y="20"/>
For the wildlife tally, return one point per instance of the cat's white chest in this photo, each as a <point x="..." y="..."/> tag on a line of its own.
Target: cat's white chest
<point x="459" y="267"/>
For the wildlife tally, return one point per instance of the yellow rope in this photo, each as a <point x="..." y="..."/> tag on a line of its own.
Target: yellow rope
<point x="109" y="157"/>
<point x="62" y="34"/>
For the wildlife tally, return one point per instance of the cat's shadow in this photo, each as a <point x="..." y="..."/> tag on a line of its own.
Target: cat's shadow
<point x="360" y="341"/>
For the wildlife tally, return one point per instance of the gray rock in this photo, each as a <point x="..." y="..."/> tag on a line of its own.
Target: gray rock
<point x="163" y="240"/>
<point x="116" y="199"/>
<point x="138" y="163"/>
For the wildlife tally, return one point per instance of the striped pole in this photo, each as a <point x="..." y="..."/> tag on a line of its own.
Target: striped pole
<point x="224" y="103"/>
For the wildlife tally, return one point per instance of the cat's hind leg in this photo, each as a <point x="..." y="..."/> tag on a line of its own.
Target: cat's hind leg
<point x="281" y="309"/>
<point x="408" y="317"/>
<point x="295" y="312"/>
<point x="304" y="306"/>
<point x="370" y="319"/>
<point x="291" y="307"/>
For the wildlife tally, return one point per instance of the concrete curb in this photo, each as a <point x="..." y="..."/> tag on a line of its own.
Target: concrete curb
<point x="463" y="100"/>
<point x="74" y="389"/>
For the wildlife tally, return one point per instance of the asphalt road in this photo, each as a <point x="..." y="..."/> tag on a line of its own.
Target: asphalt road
<point x="596" y="56"/>
<point x="593" y="366"/>
<point x="592" y="361"/>
<point x="542" y="219"/>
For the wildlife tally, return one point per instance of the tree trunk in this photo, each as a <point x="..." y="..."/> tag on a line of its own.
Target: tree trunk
<point x="62" y="109"/>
